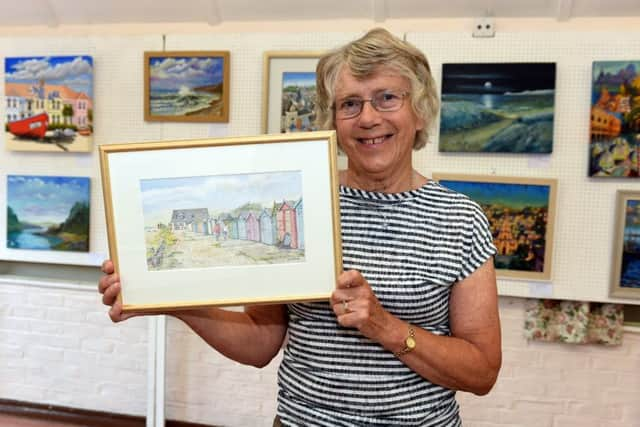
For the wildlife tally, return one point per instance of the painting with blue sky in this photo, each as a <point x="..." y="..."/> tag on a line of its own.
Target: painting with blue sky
<point x="48" y="213"/>
<point x="187" y="87"/>
<point x="49" y="103"/>
<point x="298" y="102"/>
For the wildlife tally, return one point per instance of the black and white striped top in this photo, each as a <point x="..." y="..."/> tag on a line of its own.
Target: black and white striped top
<point x="411" y="247"/>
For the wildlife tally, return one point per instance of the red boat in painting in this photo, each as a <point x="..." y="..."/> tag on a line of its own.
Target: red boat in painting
<point x="31" y="127"/>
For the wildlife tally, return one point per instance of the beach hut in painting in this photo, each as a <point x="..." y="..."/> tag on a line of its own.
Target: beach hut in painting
<point x="299" y="223"/>
<point x="196" y="220"/>
<point x="232" y="223"/>
<point x="266" y="227"/>
<point x="287" y="232"/>
<point x="253" y="227"/>
<point x="242" y="225"/>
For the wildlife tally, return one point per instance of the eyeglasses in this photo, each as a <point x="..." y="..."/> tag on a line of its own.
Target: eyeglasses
<point x="383" y="101"/>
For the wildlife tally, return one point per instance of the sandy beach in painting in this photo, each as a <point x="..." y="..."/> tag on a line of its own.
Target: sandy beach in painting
<point x="80" y="143"/>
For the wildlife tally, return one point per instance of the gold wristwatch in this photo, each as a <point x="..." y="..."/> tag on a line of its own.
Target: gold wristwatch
<point x="409" y="343"/>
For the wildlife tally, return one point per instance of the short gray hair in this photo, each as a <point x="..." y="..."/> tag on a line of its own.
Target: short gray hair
<point x="378" y="49"/>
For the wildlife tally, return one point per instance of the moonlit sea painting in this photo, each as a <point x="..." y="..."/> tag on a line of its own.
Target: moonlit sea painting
<point x="497" y="108"/>
<point x="223" y="220"/>
<point x="48" y="213"/>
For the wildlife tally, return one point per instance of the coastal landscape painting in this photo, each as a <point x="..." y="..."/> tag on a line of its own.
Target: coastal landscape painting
<point x="520" y="213"/>
<point x="48" y="213"/>
<point x="186" y="86"/>
<point x="298" y="102"/>
<point x="49" y="103"/>
<point x="614" y="148"/>
<point x="223" y="220"/>
<point x="626" y="259"/>
<point x="497" y="108"/>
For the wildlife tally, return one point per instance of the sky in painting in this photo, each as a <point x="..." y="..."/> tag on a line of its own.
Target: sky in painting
<point x="75" y="72"/>
<point x="219" y="194"/>
<point x="498" y="78"/>
<point x="45" y="199"/>
<point x="613" y="67"/>
<point x="304" y="79"/>
<point x="173" y="73"/>
<point x="515" y="196"/>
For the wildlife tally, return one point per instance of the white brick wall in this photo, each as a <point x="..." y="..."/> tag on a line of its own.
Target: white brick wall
<point x="58" y="347"/>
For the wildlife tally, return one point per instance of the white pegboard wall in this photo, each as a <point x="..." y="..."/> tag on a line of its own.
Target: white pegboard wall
<point x="584" y="223"/>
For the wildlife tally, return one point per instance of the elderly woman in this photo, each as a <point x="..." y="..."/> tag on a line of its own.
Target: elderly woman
<point x="414" y="316"/>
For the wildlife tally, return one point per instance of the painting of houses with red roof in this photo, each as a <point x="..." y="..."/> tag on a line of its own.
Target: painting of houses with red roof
<point x="614" y="149"/>
<point x="49" y="103"/>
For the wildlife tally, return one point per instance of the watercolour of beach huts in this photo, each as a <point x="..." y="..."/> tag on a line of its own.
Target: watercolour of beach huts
<point x="186" y="86"/>
<point x="614" y="148"/>
<point x="497" y="108"/>
<point x="49" y="103"/>
<point x="48" y="213"/>
<point x="223" y="220"/>
<point x="298" y="102"/>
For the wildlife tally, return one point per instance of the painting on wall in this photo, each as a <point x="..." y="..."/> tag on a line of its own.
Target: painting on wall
<point x="497" y="108"/>
<point x="521" y="214"/>
<point x="625" y="278"/>
<point x="614" y="149"/>
<point x="289" y="91"/>
<point x="186" y="86"/>
<point x="223" y="220"/>
<point x="49" y="103"/>
<point x="48" y="213"/>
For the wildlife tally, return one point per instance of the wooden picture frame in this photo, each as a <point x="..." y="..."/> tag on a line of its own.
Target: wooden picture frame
<point x="224" y="221"/>
<point x="523" y="230"/>
<point x="277" y="66"/>
<point x="625" y="272"/>
<point x="186" y="86"/>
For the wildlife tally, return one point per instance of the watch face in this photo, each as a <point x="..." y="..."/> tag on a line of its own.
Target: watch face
<point x="410" y="342"/>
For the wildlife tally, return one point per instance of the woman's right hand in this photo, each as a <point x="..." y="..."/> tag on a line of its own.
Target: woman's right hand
<point x="109" y="287"/>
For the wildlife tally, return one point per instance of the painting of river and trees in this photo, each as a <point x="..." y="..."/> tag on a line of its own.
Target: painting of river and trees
<point x="615" y="119"/>
<point x="223" y="220"/>
<point x="520" y="213"/>
<point x="497" y="108"/>
<point x="48" y="213"/>
<point x="187" y="86"/>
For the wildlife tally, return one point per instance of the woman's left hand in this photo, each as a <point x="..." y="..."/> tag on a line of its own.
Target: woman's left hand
<point x="356" y="306"/>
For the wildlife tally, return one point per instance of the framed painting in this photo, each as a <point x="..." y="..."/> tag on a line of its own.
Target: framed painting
<point x="185" y="86"/>
<point x="289" y="91"/>
<point x="521" y="214"/>
<point x="497" y="108"/>
<point x="223" y="221"/>
<point x="49" y="103"/>
<point x="615" y="120"/>
<point x="625" y="276"/>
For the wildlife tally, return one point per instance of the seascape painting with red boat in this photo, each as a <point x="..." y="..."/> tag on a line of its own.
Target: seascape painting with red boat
<point x="49" y="103"/>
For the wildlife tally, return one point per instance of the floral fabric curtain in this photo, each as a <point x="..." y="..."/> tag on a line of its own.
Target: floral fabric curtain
<point x="574" y="322"/>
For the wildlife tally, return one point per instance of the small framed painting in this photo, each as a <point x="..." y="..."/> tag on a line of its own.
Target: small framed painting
<point x="521" y="214"/>
<point x="223" y="221"/>
<point x="49" y="103"/>
<point x="497" y="108"/>
<point x="625" y="276"/>
<point x="289" y="91"/>
<point x="614" y="147"/>
<point x="183" y="86"/>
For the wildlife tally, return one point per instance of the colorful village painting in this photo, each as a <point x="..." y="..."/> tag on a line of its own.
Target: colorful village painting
<point x="518" y="217"/>
<point x="49" y="103"/>
<point x="48" y="213"/>
<point x="224" y="220"/>
<point x="187" y="86"/>
<point x="497" y="108"/>
<point x="615" y="119"/>
<point x="298" y="102"/>
<point x="630" y="271"/>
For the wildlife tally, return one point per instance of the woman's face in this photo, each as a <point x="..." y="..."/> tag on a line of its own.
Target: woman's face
<point x="378" y="144"/>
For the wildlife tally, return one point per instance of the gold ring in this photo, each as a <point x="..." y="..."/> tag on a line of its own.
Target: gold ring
<point x="345" y="305"/>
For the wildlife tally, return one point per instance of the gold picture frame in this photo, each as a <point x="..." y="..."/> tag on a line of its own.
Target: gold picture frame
<point x="277" y="66"/>
<point x="625" y="279"/>
<point x="225" y="221"/>
<point x="521" y="214"/>
<point x="186" y="86"/>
